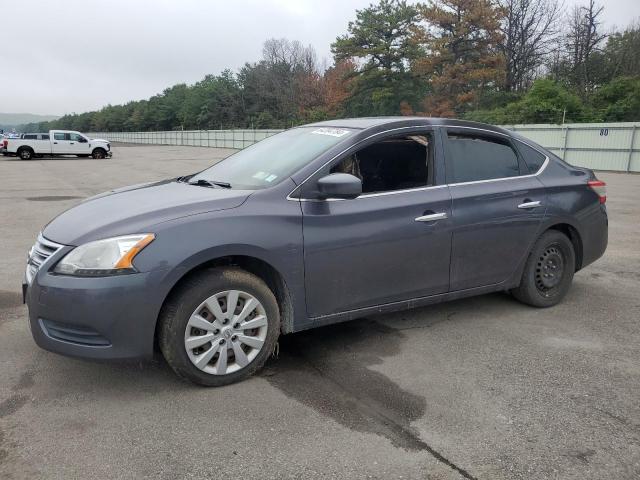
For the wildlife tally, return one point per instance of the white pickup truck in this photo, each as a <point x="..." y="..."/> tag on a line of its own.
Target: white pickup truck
<point x="56" y="142"/>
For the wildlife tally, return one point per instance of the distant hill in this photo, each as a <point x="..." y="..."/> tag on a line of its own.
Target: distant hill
<point x="12" y="120"/>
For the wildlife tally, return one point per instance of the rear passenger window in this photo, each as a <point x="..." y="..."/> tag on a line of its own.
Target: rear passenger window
<point x="533" y="158"/>
<point x="471" y="158"/>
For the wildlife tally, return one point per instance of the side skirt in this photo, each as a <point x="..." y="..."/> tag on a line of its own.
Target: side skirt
<point x="403" y="305"/>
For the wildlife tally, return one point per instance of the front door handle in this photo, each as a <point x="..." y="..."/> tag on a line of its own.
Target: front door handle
<point x="432" y="217"/>
<point x="528" y="205"/>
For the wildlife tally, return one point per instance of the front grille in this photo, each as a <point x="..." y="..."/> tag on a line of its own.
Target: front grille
<point x="39" y="254"/>
<point x="73" y="334"/>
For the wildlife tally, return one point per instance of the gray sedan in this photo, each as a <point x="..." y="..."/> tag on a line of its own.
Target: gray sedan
<point x="319" y="224"/>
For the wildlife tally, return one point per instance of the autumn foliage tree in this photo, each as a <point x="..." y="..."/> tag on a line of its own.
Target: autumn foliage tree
<point x="461" y="57"/>
<point x="338" y="86"/>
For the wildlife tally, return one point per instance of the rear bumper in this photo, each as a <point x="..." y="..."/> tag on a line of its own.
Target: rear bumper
<point x="99" y="318"/>
<point x="595" y="235"/>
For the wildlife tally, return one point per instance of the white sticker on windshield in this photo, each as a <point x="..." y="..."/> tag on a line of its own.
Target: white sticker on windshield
<point x="271" y="178"/>
<point x="260" y="175"/>
<point x="332" y="132"/>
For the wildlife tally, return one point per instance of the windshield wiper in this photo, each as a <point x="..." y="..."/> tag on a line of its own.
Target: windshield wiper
<point x="184" y="178"/>
<point x="201" y="182"/>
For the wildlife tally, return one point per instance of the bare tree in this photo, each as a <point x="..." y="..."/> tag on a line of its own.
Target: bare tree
<point x="583" y="40"/>
<point x="531" y="30"/>
<point x="291" y="53"/>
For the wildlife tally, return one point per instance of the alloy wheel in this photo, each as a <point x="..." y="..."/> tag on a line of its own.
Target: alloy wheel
<point x="226" y="332"/>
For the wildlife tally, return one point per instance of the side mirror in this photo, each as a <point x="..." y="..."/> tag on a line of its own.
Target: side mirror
<point x="340" y="185"/>
<point x="83" y="140"/>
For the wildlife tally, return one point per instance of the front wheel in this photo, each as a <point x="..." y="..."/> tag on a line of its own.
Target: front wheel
<point x="99" y="153"/>
<point x="219" y="327"/>
<point x="549" y="271"/>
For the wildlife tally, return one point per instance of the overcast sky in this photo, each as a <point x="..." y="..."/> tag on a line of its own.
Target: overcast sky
<point x="69" y="56"/>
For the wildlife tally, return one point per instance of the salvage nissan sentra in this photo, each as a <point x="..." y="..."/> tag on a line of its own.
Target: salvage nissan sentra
<point x="316" y="225"/>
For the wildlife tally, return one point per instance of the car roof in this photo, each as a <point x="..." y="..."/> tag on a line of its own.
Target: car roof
<point x="398" y="121"/>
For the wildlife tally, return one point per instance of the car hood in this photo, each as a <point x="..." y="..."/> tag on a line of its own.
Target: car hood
<point x="99" y="140"/>
<point x="135" y="209"/>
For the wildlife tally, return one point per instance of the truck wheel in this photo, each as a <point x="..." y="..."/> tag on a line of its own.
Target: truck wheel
<point x="98" y="153"/>
<point x="25" y="153"/>
<point x="219" y="326"/>
<point x="549" y="271"/>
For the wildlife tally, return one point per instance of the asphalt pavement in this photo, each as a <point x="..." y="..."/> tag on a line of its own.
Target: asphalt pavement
<point x="481" y="388"/>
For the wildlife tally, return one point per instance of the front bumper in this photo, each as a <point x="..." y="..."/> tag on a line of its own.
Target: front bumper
<point x="100" y="318"/>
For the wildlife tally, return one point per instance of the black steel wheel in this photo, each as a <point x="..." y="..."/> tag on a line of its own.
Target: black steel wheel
<point x="549" y="271"/>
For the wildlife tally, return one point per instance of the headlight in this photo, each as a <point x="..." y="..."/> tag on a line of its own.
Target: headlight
<point x="111" y="256"/>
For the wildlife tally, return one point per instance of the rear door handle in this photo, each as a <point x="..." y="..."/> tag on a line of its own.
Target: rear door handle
<point x="528" y="205"/>
<point x="432" y="217"/>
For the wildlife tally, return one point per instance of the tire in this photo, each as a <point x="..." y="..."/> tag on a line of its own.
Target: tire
<point x="25" y="154"/>
<point x="549" y="271"/>
<point x="99" y="153"/>
<point x="192" y="297"/>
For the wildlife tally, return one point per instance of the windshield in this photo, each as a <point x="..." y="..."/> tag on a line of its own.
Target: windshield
<point x="273" y="159"/>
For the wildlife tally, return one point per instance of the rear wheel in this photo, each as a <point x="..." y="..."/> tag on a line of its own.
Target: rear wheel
<point x="99" y="153"/>
<point x="219" y="327"/>
<point x="25" y="153"/>
<point x="549" y="271"/>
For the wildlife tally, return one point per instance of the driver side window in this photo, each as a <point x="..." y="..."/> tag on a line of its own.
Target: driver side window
<point x="396" y="163"/>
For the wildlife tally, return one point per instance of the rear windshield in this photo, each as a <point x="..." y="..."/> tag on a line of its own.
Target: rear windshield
<point x="275" y="158"/>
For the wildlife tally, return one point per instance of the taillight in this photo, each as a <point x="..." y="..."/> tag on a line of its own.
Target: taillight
<point x="600" y="188"/>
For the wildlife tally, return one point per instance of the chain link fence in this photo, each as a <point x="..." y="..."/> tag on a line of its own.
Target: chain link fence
<point x="600" y="146"/>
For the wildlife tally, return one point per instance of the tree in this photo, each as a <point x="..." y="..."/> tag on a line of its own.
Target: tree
<point x="285" y="84"/>
<point x="546" y="102"/>
<point x="622" y="52"/>
<point x="338" y="86"/>
<point x="583" y="40"/>
<point x="461" y="41"/>
<point x="531" y="29"/>
<point x="618" y="101"/>
<point x="379" y="42"/>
